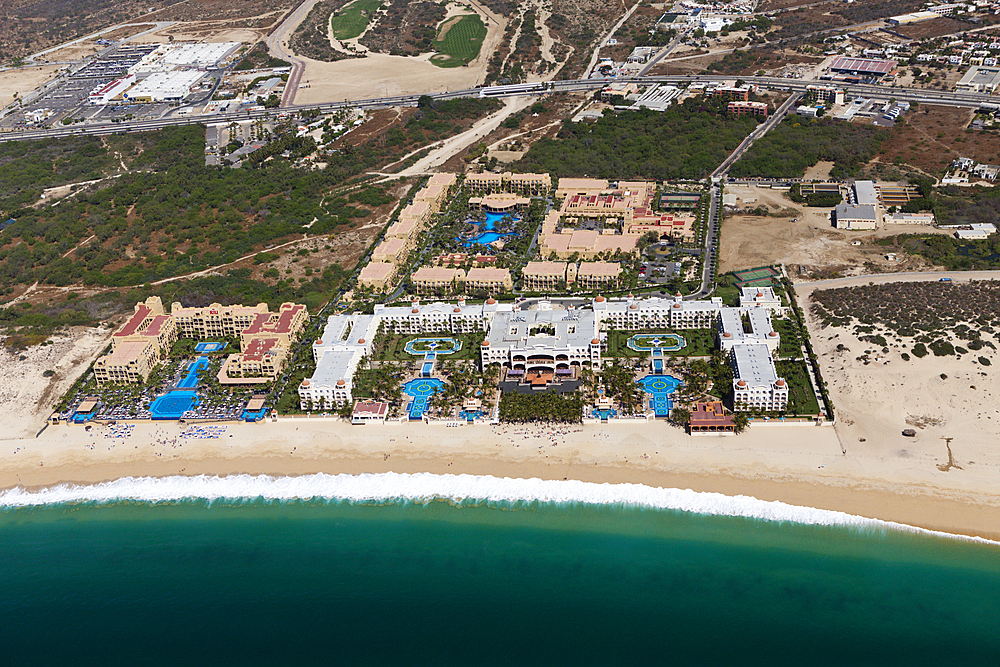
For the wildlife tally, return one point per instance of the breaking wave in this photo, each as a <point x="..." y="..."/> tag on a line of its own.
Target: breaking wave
<point x="426" y="487"/>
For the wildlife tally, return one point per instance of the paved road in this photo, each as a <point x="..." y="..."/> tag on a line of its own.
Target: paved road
<point x="277" y="44"/>
<point x="962" y="99"/>
<point x="759" y="132"/>
<point x="906" y="277"/>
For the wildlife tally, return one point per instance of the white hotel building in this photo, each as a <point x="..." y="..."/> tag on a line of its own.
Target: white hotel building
<point x="557" y="340"/>
<point x="545" y="340"/>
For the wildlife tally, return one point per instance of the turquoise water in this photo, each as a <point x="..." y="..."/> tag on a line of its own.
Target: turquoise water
<point x="457" y="583"/>
<point x="487" y="237"/>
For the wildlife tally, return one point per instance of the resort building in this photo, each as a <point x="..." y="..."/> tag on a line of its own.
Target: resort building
<point x="756" y="384"/>
<point x="491" y="280"/>
<point x="260" y="361"/>
<point x="129" y="362"/>
<point x="148" y="323"/>
<point x="346" y="340"/>
<point x="367" y="412"/>
<point x="377" y="276"/>
<point x="635" y="314"/>
<point x="145" y="339"/>
<point x="531" y="185"/>
<point x="543" y="276"/>
<point x="216" y="320"/>
<point x="555" y="341"/>
<point x="711" y="418"/>
<point x="430" y="279"/>
<point x="283" y="326"/>
<point x="733" y="325"/>
<point x="761" y="297"/>
<point x="435" y="191"/>
<point x="596" y="275"/>
<point x="499" y="202"/>
<point x="748" y="108"/>
<point x="391" y="250"/>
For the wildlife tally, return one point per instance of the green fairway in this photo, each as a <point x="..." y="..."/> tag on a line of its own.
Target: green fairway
<point x="352" y="20"/>
<point x="461" y="42"/>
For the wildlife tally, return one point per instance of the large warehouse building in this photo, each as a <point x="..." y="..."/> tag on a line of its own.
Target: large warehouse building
<point x="862" y="66"/>
<point x="164" y="87"/>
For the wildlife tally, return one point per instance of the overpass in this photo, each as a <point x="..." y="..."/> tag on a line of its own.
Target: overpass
<point x="922" y="96"/>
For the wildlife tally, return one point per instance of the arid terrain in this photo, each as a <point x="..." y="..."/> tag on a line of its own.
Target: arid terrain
<point x="810" y="246"/>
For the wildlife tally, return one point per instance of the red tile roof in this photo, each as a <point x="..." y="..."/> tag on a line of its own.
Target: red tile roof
<point x="142" y="311"/>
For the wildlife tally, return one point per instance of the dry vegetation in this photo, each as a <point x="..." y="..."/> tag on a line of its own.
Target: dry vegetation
<point x="931" y="313"/>
<point x="930" y="137"/>
<point x="404" y="28"/>
<point x="934" y="28"/>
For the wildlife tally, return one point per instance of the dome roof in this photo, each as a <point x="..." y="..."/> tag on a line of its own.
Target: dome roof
<point x="633" y="306"/>
<point x="305" y="383"/>
<point x="773" y="334"/>
<point x="319" y="341"/>
<point x="491" y="301"/>
<point x="600" y="299"/>
<point x="457" y="310"/>
<point x="726" y="334"/>
<point x="741" y="383"/>
<point x="760" y="295"/>
<point x="780" y="383"/>
<point x="415" y="311"/>
<point x="341" y="383"/>
<point x="486" y="343"/>
<point x="595" y="341"/>
<point x="361" y="341"/>
<point x="677" y="305"/>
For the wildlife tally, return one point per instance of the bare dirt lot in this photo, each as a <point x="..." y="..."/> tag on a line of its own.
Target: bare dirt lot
<point x="932" y="136"/>
<point x="933" y="28"/>
<point x="810" y="247"/>
<point x="23" y="80"/>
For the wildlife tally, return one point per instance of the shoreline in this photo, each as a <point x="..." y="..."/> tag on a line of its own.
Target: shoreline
<point x="797" y="465"/>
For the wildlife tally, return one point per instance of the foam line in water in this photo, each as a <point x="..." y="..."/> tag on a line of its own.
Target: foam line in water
<point x="423" y="487"/>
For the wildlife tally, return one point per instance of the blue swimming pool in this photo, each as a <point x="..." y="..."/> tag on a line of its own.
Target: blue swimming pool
<point x="659" y="387"/>
<point x="420" y="390"/>
<point x="190" y="380"/>
<point x="173" y="404"/>
<point x="489" y="236"/>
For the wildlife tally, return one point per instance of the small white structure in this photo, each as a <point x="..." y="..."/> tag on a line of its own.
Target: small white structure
<point x="976" y="232"/>
<point x="761" y="297"/>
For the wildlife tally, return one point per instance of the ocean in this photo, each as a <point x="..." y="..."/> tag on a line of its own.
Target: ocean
<point x="459" y="570"/>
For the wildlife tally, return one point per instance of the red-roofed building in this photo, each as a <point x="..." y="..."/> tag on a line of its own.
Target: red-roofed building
<point x="367" y="411"/>
<point x="284" y="325"/>
<point x="260" y="361"/>
<point x="711" y="418"/>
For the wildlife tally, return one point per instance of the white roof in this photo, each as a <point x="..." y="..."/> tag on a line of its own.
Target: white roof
<point x="754" y="364"/>
<point x="865" y="192"/>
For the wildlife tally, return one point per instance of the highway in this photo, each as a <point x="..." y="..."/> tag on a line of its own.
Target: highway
<point x="959" y="99"/>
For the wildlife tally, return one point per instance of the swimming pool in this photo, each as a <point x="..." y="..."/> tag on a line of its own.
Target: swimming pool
<point x="659" y="387"/>
<point x="190" y="380"/>
<point x="173" y="404"/>
<point x="421" y="389"/>
<point x="489" y="236"/>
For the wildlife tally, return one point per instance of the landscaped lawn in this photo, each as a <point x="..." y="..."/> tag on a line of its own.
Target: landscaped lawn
<point x="700" y="343"/>
<point x="395" y="344"/>
<point x="352" y="20"/>
<point x="461" y="42"/>
<point x="801" y="399"/>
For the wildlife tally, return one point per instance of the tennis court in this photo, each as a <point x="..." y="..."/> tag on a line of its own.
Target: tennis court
<point x="762" y="276"/>
<point x="210" y="347"/>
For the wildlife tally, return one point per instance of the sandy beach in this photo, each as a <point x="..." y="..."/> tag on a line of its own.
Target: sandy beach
<point x="797" y="464"/>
